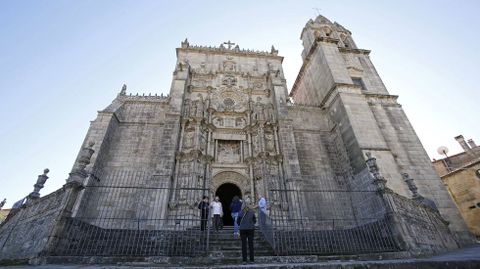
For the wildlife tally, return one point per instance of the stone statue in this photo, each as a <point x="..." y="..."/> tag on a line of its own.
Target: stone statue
<point x="186" y="111"/>
<point x="270" y="112"/>
<point x="200" y="108"/>
<point x="193" y="109"/>
<point x="79" y="173"/>
<point x="260" y="111"/>
<point x="124" y="90"/>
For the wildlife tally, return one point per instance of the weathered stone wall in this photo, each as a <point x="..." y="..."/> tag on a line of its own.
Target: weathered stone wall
<point x="309" y="123"/>
<point x="424" y="231"/>
<point x="26" y="234"/>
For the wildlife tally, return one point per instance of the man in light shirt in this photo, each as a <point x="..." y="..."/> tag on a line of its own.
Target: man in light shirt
<point x="217" y="212"/>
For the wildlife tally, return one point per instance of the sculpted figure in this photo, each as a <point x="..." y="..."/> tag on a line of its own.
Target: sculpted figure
<point x="200" y="108"/>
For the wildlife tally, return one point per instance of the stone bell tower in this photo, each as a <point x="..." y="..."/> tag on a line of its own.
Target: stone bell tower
<point x="340" y="78"/>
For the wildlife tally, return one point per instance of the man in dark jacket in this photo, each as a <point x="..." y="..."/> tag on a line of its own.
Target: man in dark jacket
<point x="204" y="206"/>
<point x="247" y="222"/>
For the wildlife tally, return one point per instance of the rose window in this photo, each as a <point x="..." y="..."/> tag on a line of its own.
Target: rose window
<point x="228" y="102"/>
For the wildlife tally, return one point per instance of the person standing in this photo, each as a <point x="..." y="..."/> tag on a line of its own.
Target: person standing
<point x="204" y="207"/>
<point x="262" y="206"/>
<point x="235" y="207"/>
<point x="217" y="212"/>
<point x="246" y="223"/>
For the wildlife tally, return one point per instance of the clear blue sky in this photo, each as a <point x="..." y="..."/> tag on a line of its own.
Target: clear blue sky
<point x="62" y="61"/>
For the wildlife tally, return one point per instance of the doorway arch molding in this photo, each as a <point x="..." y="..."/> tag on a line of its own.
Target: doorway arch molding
<point x="231" y="177"/>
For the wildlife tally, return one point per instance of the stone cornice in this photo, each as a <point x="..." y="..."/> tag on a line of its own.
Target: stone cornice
<point x="356" y="51"/>
<point x="384" y="99"/>
<point x="144" y="98"/>
<point x="233" y="52"/>
<point x="333" y="92"/>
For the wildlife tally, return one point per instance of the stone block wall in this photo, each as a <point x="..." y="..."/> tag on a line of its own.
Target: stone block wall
<point x="26" y="234"/>
<point x="410" y="157"/>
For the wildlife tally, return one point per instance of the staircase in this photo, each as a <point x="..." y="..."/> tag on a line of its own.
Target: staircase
<point x="225" y="248"/>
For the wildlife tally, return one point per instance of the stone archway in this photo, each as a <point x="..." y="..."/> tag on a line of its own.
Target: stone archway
<point x="226" y="192"/>
<point x="230" y="180"/>
<point x="236" y="178"/>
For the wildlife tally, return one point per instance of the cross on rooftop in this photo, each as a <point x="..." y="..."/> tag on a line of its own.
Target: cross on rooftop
<point x="229" y="44"/>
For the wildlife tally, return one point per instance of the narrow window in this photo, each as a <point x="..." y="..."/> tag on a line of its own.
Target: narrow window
<point x="359" y="82"/>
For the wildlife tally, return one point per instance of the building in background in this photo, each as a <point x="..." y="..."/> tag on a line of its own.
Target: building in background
<point x="461" y="175"/>
<point x="3" y="214"/>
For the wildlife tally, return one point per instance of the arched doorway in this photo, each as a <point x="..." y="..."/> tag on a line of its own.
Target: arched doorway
<point x="226" y="192"/>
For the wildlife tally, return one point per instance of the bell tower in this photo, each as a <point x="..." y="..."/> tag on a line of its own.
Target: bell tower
<point x="340" y="78"/>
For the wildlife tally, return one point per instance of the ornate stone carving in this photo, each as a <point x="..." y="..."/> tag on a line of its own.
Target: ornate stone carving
<point x="229" y="66"/>
<point x="79" y="172"/>
<point x="229" y="99"/>
<point x="378" y="179"/>
<point x="35" y="194"/>
<point x="231" y="177"/>
<point x="229" y="80"/>
<point x="269" y="142"/>
<point x="415" y="195"/>
<point x="228" y="151"/>
<point x="188" y="139"/>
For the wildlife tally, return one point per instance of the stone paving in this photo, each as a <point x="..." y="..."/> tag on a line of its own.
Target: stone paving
<point x="463" y="258"/>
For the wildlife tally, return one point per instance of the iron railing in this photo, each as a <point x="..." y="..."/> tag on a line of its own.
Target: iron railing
<point x="129" y="213"/>
<point x="304" y="224"/>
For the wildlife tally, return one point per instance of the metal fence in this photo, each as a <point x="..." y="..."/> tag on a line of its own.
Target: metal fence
<point x="305" y="223"/>
<point x="128" y="213"/>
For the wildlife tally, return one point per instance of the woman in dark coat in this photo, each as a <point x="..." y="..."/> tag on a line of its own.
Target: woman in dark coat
<point x="204" y="206"/>
<point x="246" y="221"/>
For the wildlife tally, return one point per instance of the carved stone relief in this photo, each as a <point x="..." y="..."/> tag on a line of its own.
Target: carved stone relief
<point x="229" y="99"/>
<point x="229" y="80"/>
<point x="269" y="142"/>
<point x="229" y="66"/>
<point x="188" y="139"/>
<point x="228" y="151"/>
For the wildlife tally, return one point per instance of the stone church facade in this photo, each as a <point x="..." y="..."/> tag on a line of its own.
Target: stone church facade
<point x="229" y="125"/>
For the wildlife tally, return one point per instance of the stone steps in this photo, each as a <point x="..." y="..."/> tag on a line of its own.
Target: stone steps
<point x="225" y="248"/>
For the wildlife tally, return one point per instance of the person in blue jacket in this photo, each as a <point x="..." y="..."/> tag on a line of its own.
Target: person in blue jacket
<point x="235" y="207"/>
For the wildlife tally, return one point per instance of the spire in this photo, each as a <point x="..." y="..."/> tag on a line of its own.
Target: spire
<point x="322" y="20"/>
